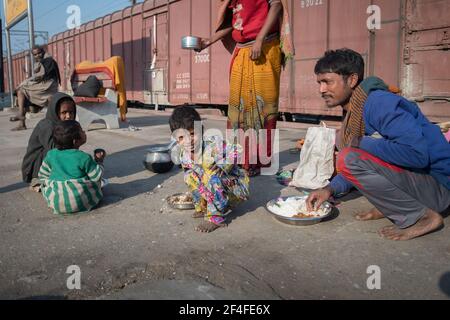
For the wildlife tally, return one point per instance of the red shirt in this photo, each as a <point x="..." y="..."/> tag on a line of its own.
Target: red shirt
<point x="249" y="17"/>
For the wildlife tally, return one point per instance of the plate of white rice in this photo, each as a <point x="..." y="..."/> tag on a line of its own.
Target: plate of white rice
<point x="292" y="210"/>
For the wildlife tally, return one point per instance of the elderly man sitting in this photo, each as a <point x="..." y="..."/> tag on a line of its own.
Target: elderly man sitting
<point x="39" y="88"/>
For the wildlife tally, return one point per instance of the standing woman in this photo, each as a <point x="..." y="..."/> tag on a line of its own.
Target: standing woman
<point x="259" y="33"/>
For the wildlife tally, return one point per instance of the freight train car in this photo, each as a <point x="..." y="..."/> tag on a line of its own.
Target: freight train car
<point x="406" y="42"/>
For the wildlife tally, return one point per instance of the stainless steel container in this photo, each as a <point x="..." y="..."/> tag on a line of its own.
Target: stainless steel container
<point x="191" y="42"/>
<point x="179" y="206"/>
<point x="158" y="159"/>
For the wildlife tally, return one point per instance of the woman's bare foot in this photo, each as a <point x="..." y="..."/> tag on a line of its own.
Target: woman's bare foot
<point x="431" y="221"/>
<point x="373" y="214"/>
<point x="207" y="227"/>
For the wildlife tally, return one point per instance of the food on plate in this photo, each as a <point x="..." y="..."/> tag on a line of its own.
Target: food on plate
<point x="184" y="199"/>
<point x="295" y="207"/>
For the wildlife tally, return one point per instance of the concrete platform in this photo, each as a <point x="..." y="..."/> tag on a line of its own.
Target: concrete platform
<point x="135" y="247"/>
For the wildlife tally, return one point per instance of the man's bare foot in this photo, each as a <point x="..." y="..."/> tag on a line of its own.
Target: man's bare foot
<point x="373" y="214"/>
<point x="207" y="227"/>
<point x="431" y="221"/>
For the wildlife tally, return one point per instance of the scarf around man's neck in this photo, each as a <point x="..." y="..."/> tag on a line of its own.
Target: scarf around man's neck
<point x="353" y="125"/>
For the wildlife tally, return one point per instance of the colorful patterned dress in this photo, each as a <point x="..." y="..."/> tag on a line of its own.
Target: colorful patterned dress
<point x="215" y="181"/>
<point x="71" y="181"/>
<point x="254" y="85"/>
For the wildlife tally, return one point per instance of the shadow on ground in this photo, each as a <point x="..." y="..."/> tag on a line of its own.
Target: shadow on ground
<point x="128" y="163"/>
<point x="13" y="187"/>
<point x="444" y="284"/>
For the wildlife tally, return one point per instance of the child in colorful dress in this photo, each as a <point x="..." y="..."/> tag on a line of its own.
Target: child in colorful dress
<point x="71" y="178"/>
<point x="211" y="171"/>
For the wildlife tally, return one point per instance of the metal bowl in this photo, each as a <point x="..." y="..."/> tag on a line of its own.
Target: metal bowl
<point x="158" y="159"/>
<point x="299" y="221"/>
<point x="189" y="206"/>
<point x="191" y="42"/>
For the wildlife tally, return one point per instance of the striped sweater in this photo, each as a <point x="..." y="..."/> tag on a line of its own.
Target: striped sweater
<point x="71" y="181"/>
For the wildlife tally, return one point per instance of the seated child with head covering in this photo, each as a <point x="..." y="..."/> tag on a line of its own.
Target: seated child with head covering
<point x="71" y="179"/>
<point x="61" y="108"/>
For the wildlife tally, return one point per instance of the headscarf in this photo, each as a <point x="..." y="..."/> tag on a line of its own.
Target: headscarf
<point x="41" y="140"/>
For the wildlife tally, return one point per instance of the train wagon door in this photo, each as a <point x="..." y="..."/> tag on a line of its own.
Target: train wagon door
<point x="200" y="62"/>
<point x="426" y="60"/>
<point x="155" y="53"/>
<point x="180" y="60"/>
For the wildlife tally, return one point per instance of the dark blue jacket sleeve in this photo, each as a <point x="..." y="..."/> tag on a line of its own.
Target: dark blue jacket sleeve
<point x="340" y="185"/>
<point x="402" y="142"/>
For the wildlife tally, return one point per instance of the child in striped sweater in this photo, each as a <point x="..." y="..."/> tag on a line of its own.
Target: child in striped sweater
<point x="71" y="178"/>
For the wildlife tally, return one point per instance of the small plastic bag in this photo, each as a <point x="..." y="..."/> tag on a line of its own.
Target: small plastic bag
<point x="316" y="165"/>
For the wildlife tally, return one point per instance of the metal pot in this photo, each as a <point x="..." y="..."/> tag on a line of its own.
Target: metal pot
<point x="191" y="42"/>
<point x="158" y="159"/>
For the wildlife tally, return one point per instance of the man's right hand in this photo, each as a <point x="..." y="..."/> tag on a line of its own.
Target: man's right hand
<point x="317" y="198"/>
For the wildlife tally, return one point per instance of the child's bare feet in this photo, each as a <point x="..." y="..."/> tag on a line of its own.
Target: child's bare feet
<point x="36" y="188"/>
<point x="431" y="221"/>
<point x="197" y="215"/>
<point x="207" y="226"/>
<point x="373" y="214"/>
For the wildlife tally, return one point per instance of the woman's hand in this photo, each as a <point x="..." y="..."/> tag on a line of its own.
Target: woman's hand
<point x="257" y="49"/>
<point x="204" y="43"/>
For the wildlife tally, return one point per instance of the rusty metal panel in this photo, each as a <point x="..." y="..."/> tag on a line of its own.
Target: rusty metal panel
<point x="137" y="58"/>
<point x="98" y="40"/>
<point x="310" y="31"/>
<point x="60" y="59"/>
<point x="180" y="60"/>
<point x="148" y="5"/>
<point x="162" y="43"/>
<point x="128" y="52"/>
<point x="116" y="34"/>
<point x="220" y="65"/>
<point x="426" y="63"/>
<point x="106" y="38"/>
<point x="83" y="55"/>
<point x="77" y="47"/>
<point x="90" y="42"/>
<point x="200" y="62"/>
<point x="69" y="65"/>
<point x="160" y="3"/>
<point x="318" y="25"/>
